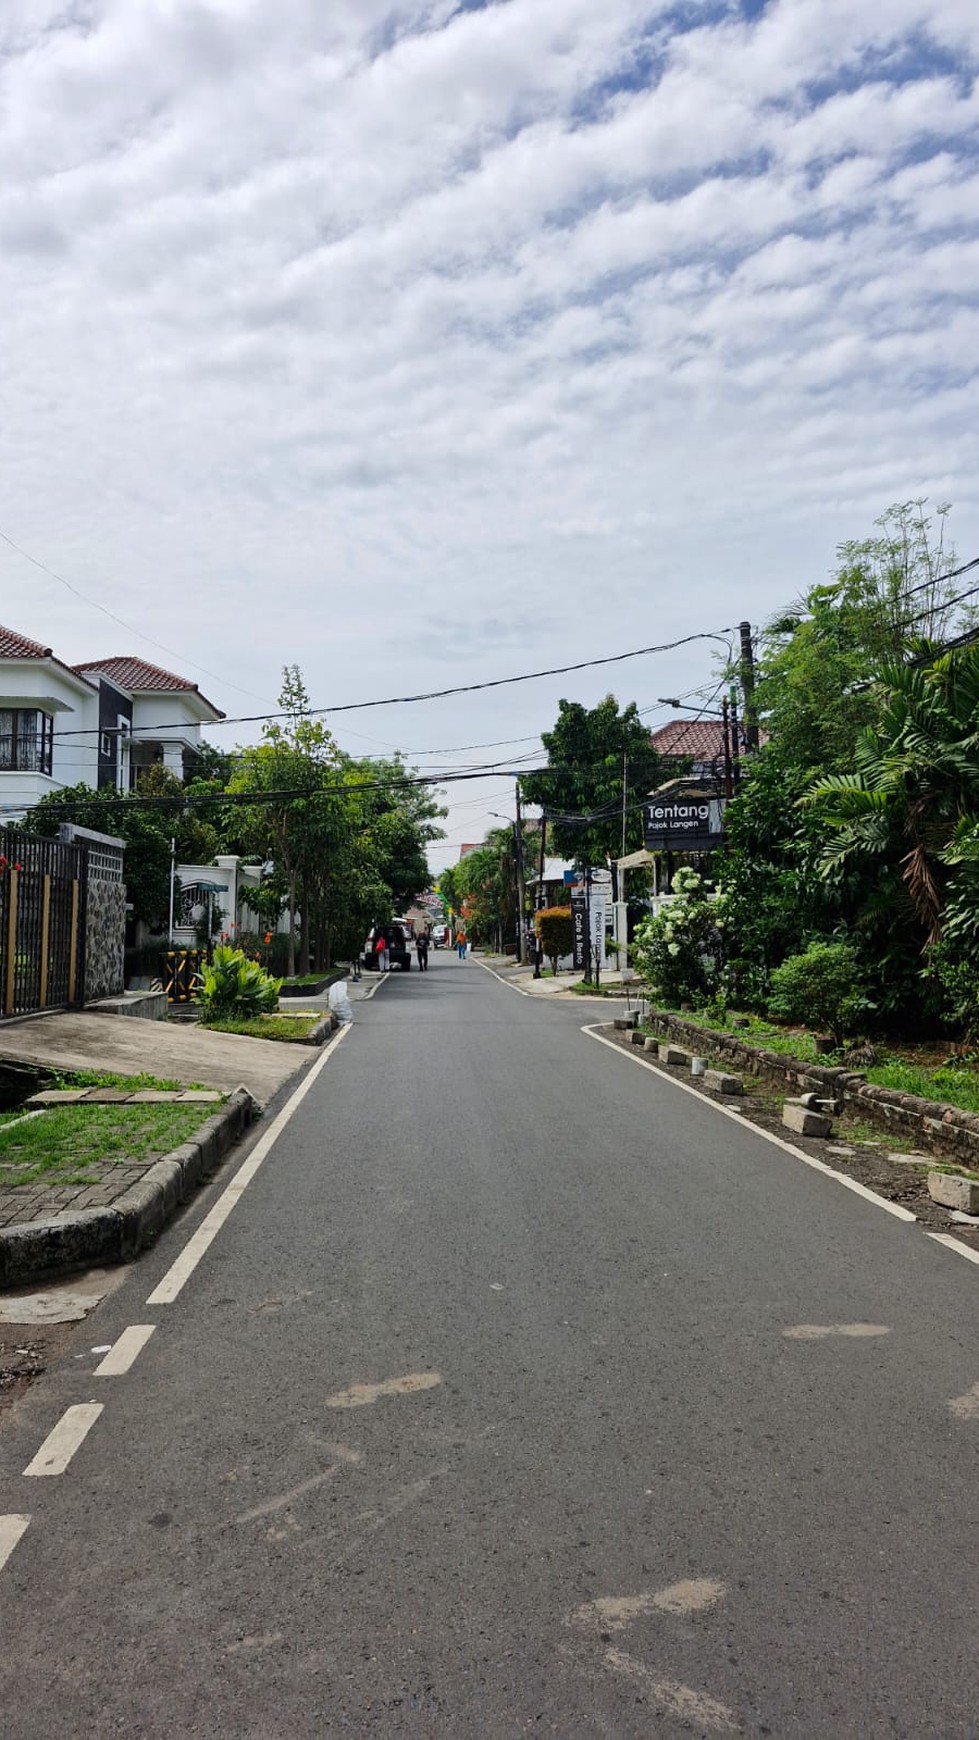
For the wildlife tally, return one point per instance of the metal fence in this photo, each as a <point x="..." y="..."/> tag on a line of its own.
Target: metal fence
<point x="42" y="923"/>
<point x="181" y="970"/>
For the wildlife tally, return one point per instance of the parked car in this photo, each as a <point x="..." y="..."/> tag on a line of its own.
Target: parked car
<point x="399" y="945"/>
<point x="440" y="936"/>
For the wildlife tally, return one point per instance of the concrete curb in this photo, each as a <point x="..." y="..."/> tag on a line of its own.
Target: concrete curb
<point x="87" y="1237"/>
<point x="945" y="1130"/>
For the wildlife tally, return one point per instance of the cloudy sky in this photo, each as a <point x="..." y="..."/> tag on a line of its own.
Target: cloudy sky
<point x="430" y="341"/>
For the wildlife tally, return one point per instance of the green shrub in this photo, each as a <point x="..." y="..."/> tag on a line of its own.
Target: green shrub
<point x="952" y="965"/>
<point x="822" y="988"/>
<point x="553" y="925"/>
<point x="679" y="953"/>
<point x="235" y="986"/>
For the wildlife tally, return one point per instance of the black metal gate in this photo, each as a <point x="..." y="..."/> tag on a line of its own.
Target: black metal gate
<point x="181" y="971"/>
<point x="42" y="923"/>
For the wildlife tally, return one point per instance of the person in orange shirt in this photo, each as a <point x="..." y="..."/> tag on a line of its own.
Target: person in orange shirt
<point x="461" y="942"/>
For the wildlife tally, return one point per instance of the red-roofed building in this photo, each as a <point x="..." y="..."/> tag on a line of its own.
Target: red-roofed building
<point x="167" y="712"/>
<point x="96" y="724"/>
<point x="702" y="740"/>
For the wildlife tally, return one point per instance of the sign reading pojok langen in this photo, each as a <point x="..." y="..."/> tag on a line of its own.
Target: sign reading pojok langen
<point x="683" y="820"/>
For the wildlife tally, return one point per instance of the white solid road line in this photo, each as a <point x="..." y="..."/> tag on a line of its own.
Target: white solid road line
<point x="181" y="1270"/>
<point x="11" y="1530"/>
<point x="893" y="1208"/>
<point x="60" y="1445"/>
<point x="955" y="1244"/>
<point x="124" y="1351"/>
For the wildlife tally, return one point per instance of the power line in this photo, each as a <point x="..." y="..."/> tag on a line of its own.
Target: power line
<point x="434" y="694"/>
<point x="94" y="605"/>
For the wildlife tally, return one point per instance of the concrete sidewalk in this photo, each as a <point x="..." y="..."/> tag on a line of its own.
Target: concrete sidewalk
<point x="171" y="1050"/>
<point x="547" y="986"/>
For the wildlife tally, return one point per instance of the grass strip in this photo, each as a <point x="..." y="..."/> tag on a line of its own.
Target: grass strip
<point x="67" y="1139"/>
<point x="269" y="1026"/>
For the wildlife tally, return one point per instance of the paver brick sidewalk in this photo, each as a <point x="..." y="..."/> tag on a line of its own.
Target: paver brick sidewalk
<point x="119" y="1206"/>
<point x="109" y="1180"/>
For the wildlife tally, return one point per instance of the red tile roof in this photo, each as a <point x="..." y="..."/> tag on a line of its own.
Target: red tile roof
<point x="140" y="677"/>
<point x="17" y="646"/>
<point x="702" y="739"/>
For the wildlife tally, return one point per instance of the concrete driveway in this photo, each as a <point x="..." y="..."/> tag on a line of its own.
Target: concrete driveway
<point x="163" y="1048"/>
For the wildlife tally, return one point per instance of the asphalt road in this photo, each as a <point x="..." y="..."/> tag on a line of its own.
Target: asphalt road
<point x="481" y="1415"/>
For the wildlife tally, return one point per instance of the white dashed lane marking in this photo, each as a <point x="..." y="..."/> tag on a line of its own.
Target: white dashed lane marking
<point x="11" y="1530"/>
<point x="822" y="1331"/>
<point x="123" y="1353"/>
<point x="60" y="1445"/>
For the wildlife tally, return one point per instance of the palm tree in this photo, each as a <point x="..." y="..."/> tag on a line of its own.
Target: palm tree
<point x="913" y="798"/>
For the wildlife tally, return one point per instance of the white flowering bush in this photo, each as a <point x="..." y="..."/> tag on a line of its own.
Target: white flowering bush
<point x="680" y="953"/>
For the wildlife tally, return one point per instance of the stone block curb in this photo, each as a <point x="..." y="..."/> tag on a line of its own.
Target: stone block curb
<point x="946" y="1130"/>
<point x="719" y="1083"/>
<point x="82" y="1238"/>
<point x="802" y="1122"/>
<point x="954" y="1192"/>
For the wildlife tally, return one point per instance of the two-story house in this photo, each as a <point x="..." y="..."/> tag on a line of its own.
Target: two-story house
<point x="99" y="723"/>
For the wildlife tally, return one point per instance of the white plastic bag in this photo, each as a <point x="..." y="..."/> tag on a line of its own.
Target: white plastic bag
<point x="340" y="1002"/>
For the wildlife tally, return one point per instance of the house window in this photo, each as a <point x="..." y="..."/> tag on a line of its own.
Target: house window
<point x="26" y="740"/>
<point x="105" y="743"/>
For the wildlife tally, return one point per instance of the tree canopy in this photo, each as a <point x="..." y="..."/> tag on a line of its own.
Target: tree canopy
<point x="590" y="752"/>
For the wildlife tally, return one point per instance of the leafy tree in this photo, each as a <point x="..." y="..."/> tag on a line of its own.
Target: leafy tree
<point x="769" y="869"/>
<point x="286" y="775"/>
<point x="814" y="690"/>
<point x="346" y="838"/>
<point x="581" y="788"/>
<point x="197" y="839"/>
<point x="146" y="832"/>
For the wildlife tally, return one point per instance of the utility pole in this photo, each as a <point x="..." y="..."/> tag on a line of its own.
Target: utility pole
<point x="518" y="846"/>
<point x="735" y="745"/>
<point x="625" y="793"/>
<point x="748" y="686"/>
<point x="539" y="902"/>
<point x="728" y="770"/>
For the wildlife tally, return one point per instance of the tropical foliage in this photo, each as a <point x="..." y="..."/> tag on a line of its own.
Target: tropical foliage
<point x="234" y="987"/>
<point x="857" y="827"/>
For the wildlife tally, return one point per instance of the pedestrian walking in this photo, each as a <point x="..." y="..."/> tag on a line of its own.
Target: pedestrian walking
<point x="381" y="949"/>
<point x="461" y="943"/>
<point x="421" y="949"/>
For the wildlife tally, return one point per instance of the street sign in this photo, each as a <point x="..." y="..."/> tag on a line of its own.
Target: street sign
<point x="683" y="821"/>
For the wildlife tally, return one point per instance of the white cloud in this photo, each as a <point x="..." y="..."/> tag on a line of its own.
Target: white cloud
<point x="409" y="342"/>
